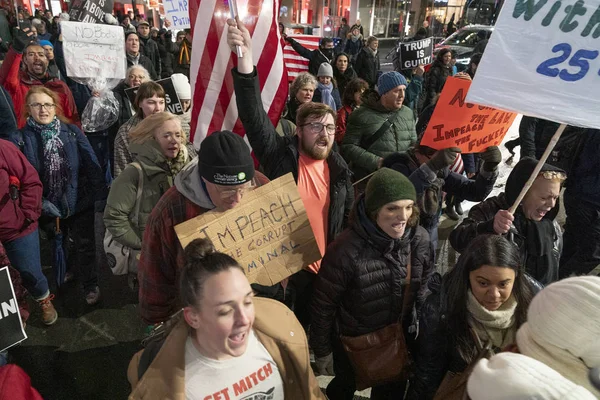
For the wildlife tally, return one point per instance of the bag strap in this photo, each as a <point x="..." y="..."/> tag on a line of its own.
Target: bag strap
<point x="407" y="286"/>
<point x="139" y="193"/>
<point x="375" y="137"/>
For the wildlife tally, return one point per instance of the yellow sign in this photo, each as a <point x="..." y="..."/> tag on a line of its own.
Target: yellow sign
<point x="268" y="233"/>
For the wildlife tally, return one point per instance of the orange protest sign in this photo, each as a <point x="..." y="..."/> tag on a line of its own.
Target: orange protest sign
<point x="470" y="127"/>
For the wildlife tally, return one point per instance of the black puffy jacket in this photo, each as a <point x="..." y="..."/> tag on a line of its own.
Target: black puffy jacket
<point x="359" y="286"/>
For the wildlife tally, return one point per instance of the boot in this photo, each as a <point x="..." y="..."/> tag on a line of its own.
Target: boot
<point x="458" y="207"/>
<point x="49" y="314"/>
<point x="451" y="213"/>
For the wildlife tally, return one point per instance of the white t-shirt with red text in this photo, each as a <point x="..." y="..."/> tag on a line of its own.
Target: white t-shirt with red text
<point x="252" y="376"/>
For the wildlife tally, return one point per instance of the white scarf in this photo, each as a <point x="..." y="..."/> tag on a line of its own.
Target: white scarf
<point x="496" y="326"/>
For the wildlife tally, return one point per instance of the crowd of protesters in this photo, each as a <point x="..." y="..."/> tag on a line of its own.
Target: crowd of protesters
<point x="350" y="136"/>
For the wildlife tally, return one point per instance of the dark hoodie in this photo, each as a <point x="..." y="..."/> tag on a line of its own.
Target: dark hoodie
<point x="540" y="242"/>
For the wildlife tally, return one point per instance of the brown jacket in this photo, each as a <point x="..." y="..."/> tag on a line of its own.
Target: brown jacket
<point x="276" y="328"/>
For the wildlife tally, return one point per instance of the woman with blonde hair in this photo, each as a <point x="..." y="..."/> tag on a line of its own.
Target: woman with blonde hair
<point x="159" y="145"/>
<point x="301" y="91"/>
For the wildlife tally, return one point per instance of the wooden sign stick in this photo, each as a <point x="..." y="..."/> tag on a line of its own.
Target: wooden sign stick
<point x="538" y="167"/>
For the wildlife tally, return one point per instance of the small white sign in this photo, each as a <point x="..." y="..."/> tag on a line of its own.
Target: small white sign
<point x="178" y="14"/>
<point x="93" y="50"/>
<point x="543" y="60"/>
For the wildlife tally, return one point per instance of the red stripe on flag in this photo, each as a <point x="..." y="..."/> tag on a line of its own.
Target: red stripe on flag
<point x="212" y="61"/>
<point x="294" y="63"/>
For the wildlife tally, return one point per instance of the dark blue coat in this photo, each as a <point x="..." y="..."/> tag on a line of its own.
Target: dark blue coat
<point x="8" y="119"/>
<point x="87" y="182"/>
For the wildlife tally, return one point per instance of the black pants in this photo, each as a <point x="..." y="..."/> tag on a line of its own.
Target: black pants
<point x="78" y="244"/>
<point x="343" y="385"/>
<point x="300" y="289"/>
<point x="581" y="249"/>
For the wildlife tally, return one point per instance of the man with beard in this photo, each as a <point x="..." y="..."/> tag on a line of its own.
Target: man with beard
<point x="134" y="57"/>
<point x="149" y="46"/>
<point x="317" y="57"/>
<point x="17" y="81"/>
<point x="322" y="176"/>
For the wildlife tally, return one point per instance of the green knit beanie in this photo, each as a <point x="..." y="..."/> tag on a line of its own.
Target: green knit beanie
<point x="387" y="186"/>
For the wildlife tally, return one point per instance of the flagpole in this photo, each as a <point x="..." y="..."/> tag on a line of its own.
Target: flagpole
<point x="233" y="10"/>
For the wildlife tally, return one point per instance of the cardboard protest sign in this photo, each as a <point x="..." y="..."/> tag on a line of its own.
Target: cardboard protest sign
<point x="172" y="102"/>
<point x="90" y="11"/>
<point x="177" y="12"/>
<point x="419" y="52"/>
<point x="11" y="329"/>
<point x="543" y="60"/>
<point x="93" y="50"/>
<point x="456" y="123"/>
<point x="268" y="233"/>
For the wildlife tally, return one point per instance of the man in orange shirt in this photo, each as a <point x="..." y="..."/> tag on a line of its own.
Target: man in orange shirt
<point x="323" y="177"/>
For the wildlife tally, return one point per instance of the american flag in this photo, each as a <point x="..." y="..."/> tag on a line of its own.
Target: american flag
<point x="294" y="62"/>
<point x="214" y="106"/>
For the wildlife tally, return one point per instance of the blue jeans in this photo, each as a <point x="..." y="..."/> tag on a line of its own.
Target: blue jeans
<point x="24" y="255"/>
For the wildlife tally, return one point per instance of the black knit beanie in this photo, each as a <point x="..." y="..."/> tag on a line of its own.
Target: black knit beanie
<point x="387" y="186"/>
<point x="224" y="159"/>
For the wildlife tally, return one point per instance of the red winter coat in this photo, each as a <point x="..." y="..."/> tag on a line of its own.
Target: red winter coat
<point x="18" y="217"/>
<point x="15" y="384"/>
<point x="18" y="82"/>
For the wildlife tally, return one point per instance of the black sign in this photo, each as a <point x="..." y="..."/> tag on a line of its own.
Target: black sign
<point x="10" y="317"/>
<point x="173" y="104"/>
<point x="419" y="52"/>
<point x="91" y="11"/>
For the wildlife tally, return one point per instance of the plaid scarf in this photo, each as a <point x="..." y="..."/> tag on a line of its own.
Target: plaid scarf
<point x="56" y="173"/>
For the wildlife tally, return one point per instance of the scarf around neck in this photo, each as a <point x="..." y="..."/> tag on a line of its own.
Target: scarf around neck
<point x="56" y="174"/>
<point x="135" y="60"/>
<point x="326" y="95"/>
<point x="497" y="326"/>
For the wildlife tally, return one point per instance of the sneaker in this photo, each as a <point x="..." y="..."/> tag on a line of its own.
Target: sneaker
<point x="93" y="296"/>
<point x="49" y="314"/>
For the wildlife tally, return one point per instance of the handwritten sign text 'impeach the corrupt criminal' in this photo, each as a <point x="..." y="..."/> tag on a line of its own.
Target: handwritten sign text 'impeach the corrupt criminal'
<point x="93" y="50"/>
<point x="471" y="127"/>
<point x="268" y="233"/>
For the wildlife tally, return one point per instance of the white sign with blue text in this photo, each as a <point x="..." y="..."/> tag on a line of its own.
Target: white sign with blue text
<point x="543" y="60"/>
<point x="177" y="13"/>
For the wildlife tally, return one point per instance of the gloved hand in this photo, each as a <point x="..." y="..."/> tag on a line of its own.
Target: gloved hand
<point x="491" y="158"/>
<point x="49" y="209"/>
<point x="443" y="158"/>
<point x="324" y="365"/>
<point x="21" y="39"/>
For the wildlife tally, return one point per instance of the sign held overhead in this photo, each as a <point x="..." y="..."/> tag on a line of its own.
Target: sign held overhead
<point x="93" y="50"/>
<point x="543" y="60"/>
<point x="471" y="127"/>
<point x="419" y="52"/>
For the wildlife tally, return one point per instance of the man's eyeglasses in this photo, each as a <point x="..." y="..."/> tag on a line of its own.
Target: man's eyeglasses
<point x="39" y="106"/>
<point x="229" y="193"/>
<point x="140" y="77"/>
<point x="317" y="127"/>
